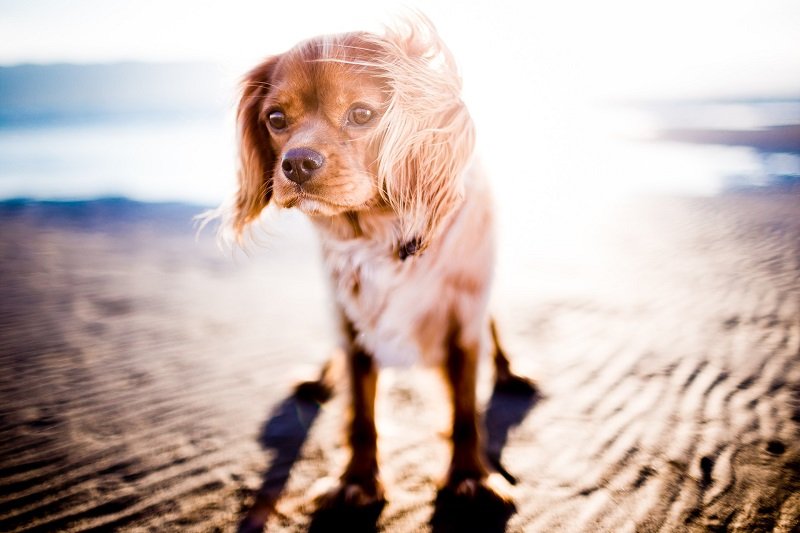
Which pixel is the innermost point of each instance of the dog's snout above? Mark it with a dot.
(300, 164)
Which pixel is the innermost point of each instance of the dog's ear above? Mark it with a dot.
(426, 137)
(256, 157)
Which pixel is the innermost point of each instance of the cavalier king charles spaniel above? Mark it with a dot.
(368, 136)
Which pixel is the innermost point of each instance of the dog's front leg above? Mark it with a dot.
(361, 475)
(468, 475)
(360, 484)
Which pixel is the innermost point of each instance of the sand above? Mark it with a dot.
(146, 379)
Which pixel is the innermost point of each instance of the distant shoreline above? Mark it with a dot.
(777, 139)
(109, 200)
(105, 213)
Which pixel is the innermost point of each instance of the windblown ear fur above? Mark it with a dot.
(256, 157)
(427, 136)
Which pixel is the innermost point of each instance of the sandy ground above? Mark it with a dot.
(146, 378)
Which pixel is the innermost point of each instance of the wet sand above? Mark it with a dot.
(146, 378)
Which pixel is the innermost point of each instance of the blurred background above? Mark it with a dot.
(644, 156)
(595, 103)
(134, 98)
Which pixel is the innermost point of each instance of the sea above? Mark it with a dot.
(167, 133)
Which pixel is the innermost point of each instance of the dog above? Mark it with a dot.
(368, 136)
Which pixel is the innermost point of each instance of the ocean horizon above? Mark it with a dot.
(165, 132)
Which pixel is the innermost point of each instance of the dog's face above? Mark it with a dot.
(320, 112)
(352, 123)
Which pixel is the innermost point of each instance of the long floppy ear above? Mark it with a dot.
(426, 136)
(256, 157)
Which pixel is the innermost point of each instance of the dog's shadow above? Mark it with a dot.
(284, 433)
(287, 428)
(505, 411)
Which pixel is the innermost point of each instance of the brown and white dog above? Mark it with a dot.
(368, 136)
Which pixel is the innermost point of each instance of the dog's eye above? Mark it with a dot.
(359, 115)
(277, 119)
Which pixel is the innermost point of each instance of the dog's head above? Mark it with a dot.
(355, 122)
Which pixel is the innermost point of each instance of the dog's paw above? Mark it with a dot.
(516, 385)
(352, 494)
(473, 503)
(349, 506)
(489, 490)
(315, 391)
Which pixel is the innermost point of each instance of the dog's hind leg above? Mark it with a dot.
(505, 379)
(321, 389)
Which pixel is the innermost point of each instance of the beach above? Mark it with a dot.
(147, 375)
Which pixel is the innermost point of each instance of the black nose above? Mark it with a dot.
(300, 164)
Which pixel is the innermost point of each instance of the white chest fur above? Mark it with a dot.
(383, 297)
(403, 310)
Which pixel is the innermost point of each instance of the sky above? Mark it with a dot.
(616, 49)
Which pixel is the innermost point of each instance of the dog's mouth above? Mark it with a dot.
(313, 205)
(316, 200)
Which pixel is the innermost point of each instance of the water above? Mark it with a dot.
(597, 152)
(186, 159)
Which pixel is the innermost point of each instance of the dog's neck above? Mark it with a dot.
(354, 225)
(378, 225)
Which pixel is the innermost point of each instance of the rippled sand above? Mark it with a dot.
(146, 378)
